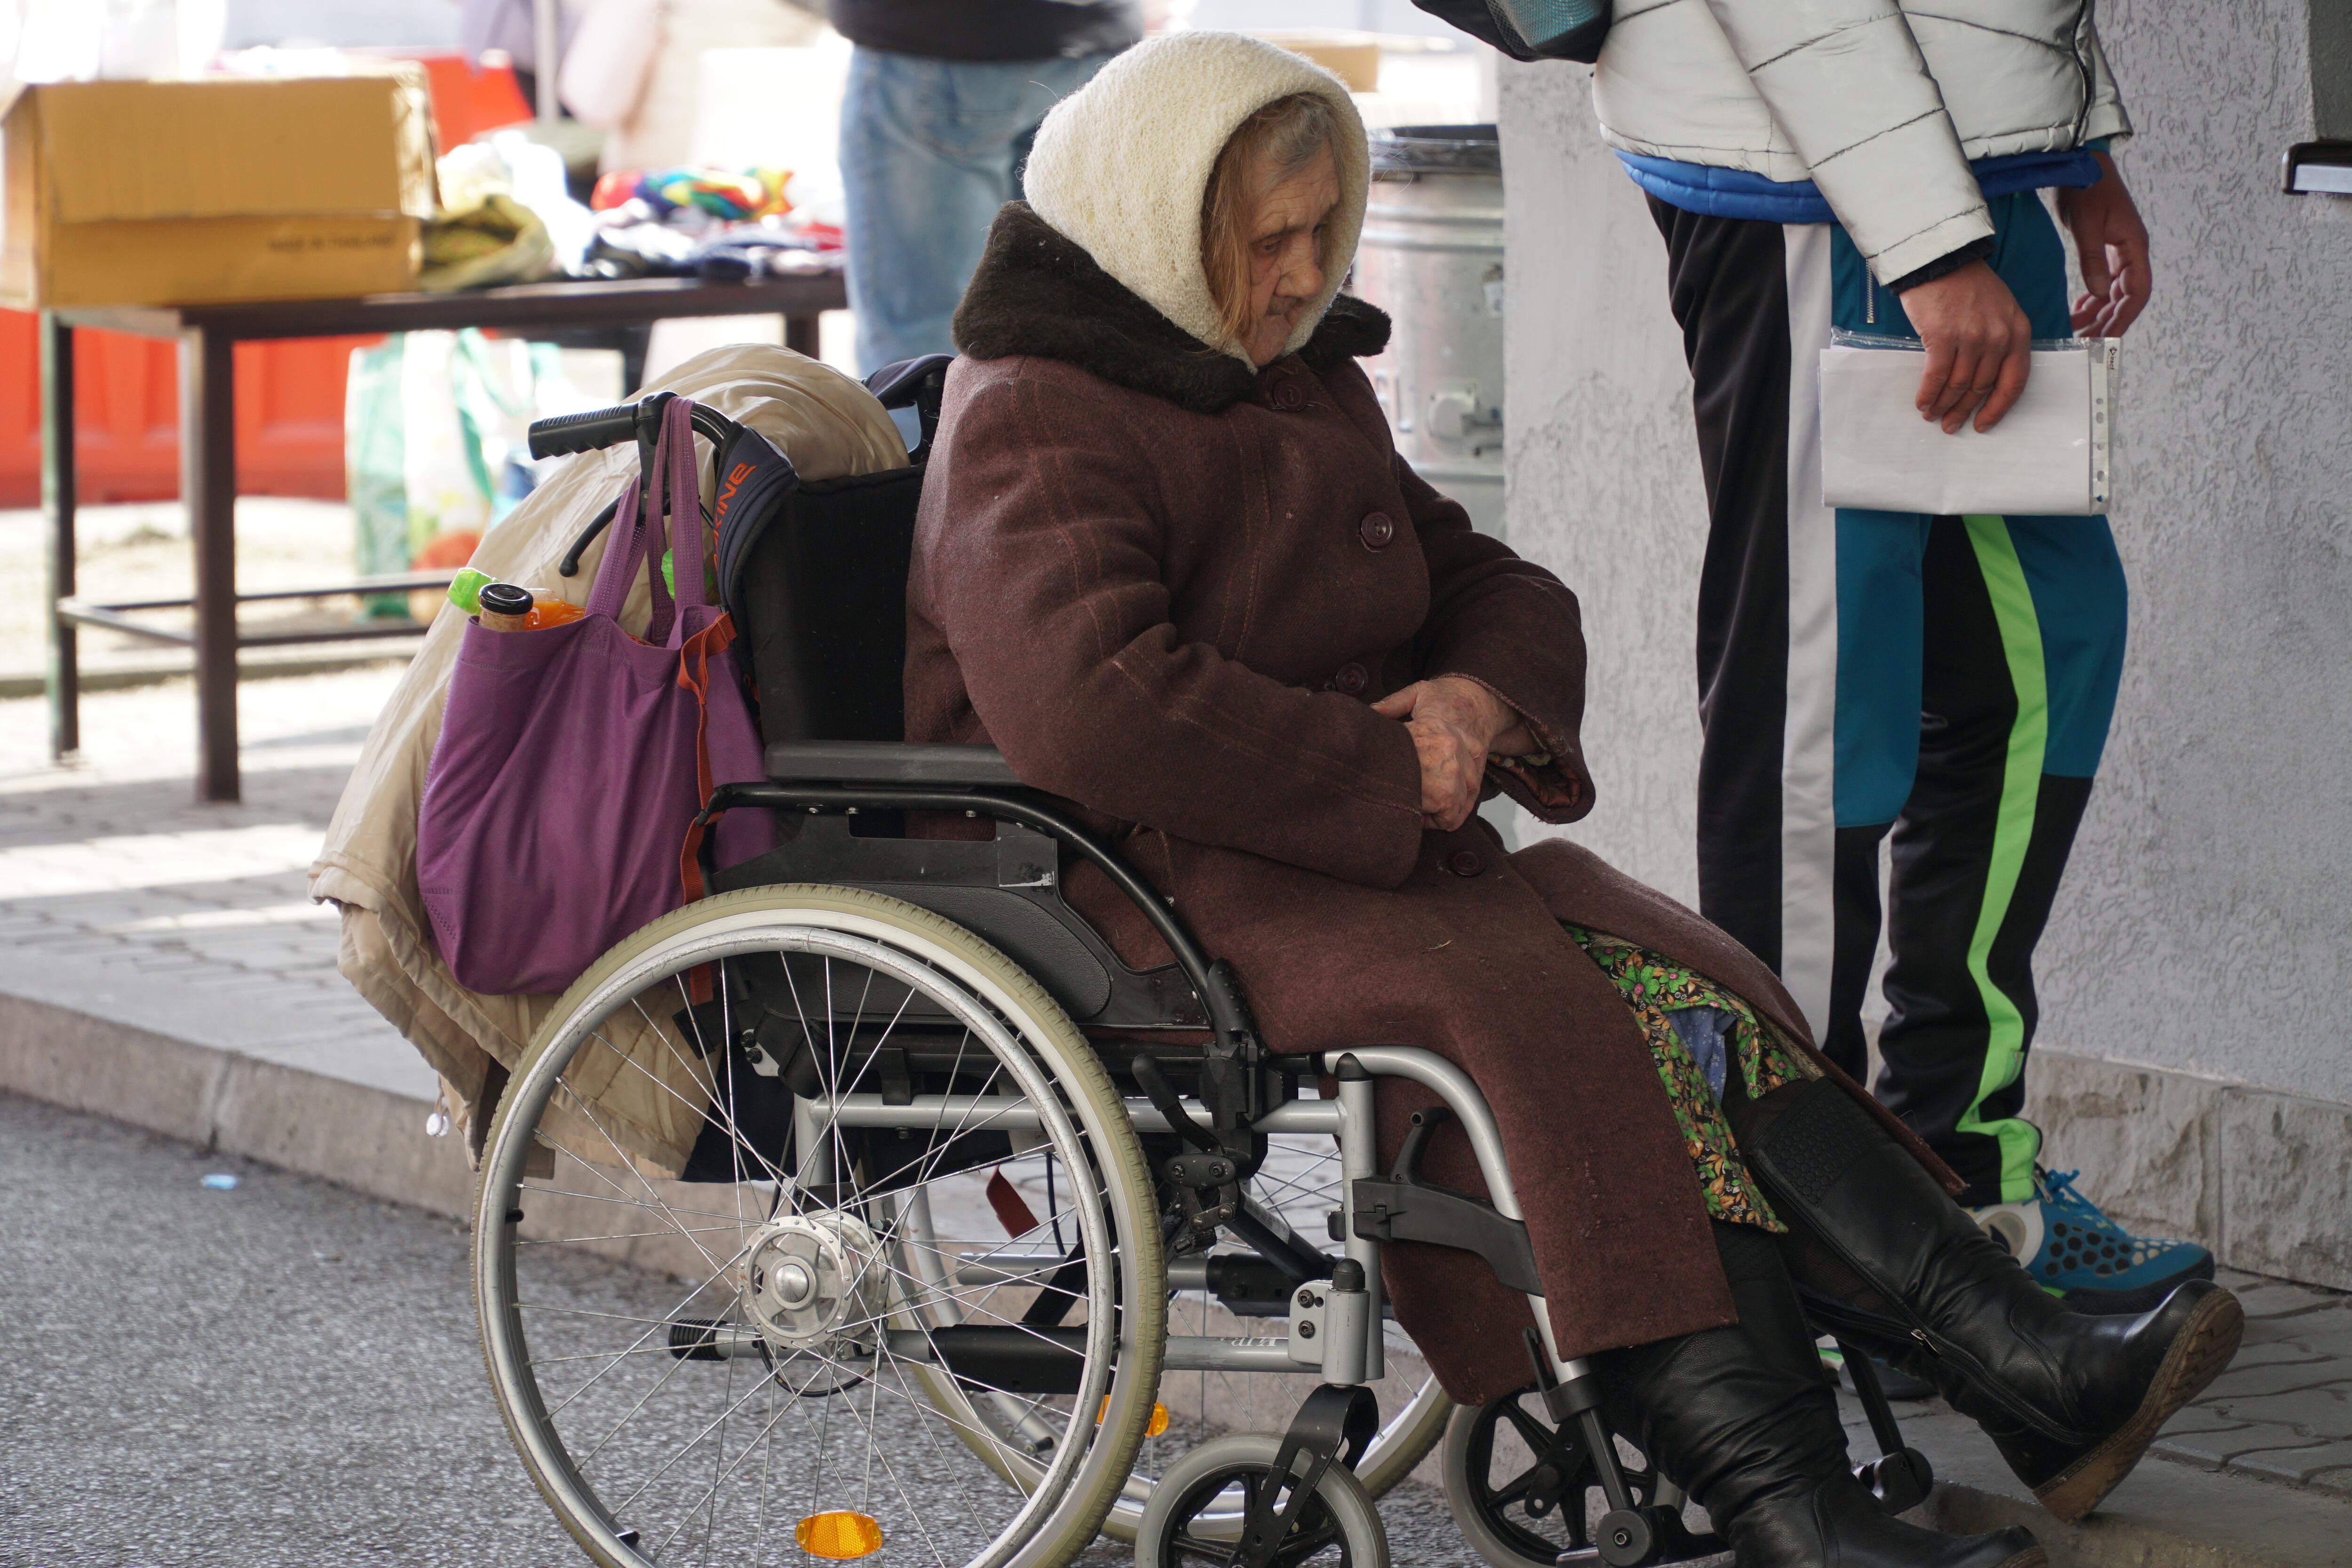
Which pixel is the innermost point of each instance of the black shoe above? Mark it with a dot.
(1890, 1263)
(2127, 1376)
(1839, 1525)
(1743, 1418)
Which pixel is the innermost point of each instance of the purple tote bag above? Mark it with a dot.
(573, 760)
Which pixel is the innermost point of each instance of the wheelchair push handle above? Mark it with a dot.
(593, 431)
(564, 433)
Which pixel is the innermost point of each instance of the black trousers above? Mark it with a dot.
(1946, 682)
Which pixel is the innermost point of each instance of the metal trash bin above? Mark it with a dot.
(1432, 257)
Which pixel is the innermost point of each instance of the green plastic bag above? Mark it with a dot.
(430, 422)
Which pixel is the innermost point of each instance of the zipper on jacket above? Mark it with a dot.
(2083, 22)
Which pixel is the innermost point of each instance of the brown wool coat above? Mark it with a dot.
(1167, 588)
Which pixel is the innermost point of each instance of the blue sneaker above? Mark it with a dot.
(2083, 1257)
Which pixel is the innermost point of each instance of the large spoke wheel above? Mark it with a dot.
(805, 1357)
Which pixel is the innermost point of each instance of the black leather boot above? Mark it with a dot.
(1743, 1418)
(1890, 1262)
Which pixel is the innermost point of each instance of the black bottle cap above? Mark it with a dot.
(505, 599)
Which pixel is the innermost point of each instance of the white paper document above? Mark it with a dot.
(2047, 457)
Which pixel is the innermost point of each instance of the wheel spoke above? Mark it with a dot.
(785, 1411)
(1538, 1437)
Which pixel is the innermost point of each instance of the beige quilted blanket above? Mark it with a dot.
(830, 426)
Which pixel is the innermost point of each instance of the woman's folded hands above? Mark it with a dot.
(1455, 723)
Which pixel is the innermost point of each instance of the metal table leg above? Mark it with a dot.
(209, 489)
(57, 499)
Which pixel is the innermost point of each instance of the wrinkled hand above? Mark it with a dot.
(2111, 244)
(1454, 724)
(1980, 347)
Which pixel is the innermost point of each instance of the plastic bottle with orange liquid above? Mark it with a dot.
(505, 607)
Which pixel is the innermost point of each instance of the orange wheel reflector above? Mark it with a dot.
(1151, 1428)
(839, 1535)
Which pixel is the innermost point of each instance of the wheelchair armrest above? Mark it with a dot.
(888, 762)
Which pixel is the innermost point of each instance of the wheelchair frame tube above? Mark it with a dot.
(814, 1165)
(1462, 1097)
(1186, 1352)
(1197, 1352)
(1360, 1155)
(1469, 1107)
(1011, 1112)
(1012, 1266)
(1352, 1117)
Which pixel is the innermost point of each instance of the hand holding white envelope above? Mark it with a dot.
(2048, 458)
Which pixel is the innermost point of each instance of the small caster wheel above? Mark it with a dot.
(1339, 1527)
(1520, 1514)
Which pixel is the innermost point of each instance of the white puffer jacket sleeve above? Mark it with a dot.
(1848, 86)
(2106, 117)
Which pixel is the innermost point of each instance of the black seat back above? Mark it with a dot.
(820, 601)
(815, 574)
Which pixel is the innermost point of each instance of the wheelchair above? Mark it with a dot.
(987, 1242)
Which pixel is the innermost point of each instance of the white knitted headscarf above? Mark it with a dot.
(1122, 165)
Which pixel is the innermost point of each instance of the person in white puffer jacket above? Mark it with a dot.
(1879, 167)
(1884, 109)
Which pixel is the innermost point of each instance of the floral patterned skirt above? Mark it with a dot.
(1655, 988)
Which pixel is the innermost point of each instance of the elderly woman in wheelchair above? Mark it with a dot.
(1249, 677)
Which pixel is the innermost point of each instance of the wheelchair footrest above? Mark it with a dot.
(1900, 1481)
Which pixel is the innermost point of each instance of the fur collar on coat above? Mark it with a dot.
(1039, 292)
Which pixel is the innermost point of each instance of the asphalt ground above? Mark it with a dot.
(283, 1372)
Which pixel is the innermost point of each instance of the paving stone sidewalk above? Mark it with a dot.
(2283, 1410)
(122, 898)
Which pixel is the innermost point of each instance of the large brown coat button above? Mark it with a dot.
(1286, 395)
(1465, 863)
(1352, 677)
(1376, 530)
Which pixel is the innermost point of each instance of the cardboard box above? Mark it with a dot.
(1353, 57)
(136, 192)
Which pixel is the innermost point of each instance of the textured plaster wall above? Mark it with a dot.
(2206, 924)
(1602, 467)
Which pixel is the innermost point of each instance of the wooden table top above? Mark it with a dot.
(615, 302)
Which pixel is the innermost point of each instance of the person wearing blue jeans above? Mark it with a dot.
(943, 99)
